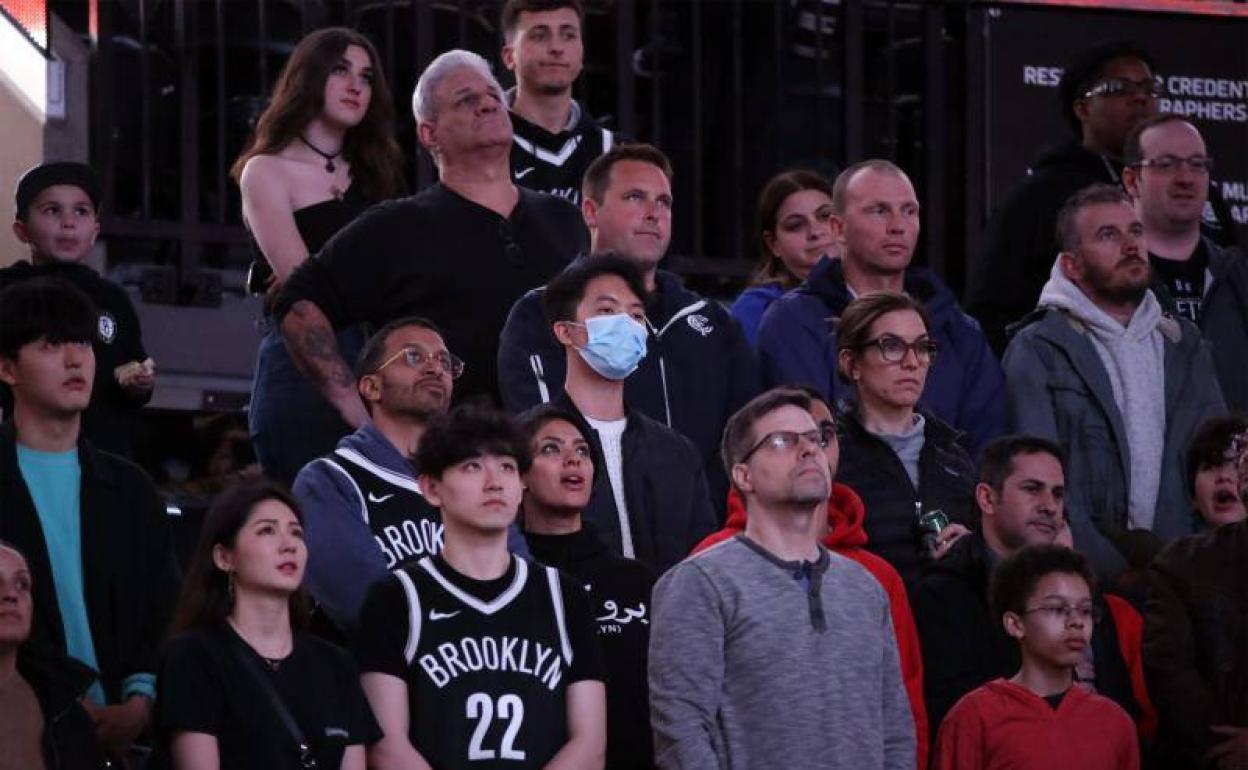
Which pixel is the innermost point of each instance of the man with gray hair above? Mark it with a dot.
(459, 253)
(1101, 370)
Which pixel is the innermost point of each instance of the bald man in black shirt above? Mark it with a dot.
(459, 253)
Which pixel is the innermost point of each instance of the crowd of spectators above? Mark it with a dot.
(527, 501)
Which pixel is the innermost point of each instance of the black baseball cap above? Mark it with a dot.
(46, 175)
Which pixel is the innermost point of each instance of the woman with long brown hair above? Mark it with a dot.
(794, 232)
(241, 685)
(322, 152)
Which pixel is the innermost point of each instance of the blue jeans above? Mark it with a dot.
(291, 423)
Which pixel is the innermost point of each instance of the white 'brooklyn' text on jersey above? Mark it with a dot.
(487, 663)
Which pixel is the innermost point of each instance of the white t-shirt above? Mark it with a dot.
(610, 435)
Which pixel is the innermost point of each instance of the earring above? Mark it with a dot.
(229, 577)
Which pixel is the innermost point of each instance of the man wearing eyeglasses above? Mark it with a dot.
(363, 511)
(1105, 91)
(1021, 500)
(767, 649)
(876, 216)
(1101, 370)
(1167, 173)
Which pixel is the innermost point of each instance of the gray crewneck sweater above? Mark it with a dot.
(760, 663)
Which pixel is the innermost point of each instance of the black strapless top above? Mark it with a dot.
(316, 224)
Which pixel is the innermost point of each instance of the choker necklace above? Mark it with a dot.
(329, 159)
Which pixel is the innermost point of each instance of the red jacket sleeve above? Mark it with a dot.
(960, 741)
(1130, 626)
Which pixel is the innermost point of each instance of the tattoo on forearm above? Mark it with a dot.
(314, 347)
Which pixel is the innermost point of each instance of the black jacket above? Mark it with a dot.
(1021, 241)
(698, 370)
(1223, 320)
(871, 468)
(1196, 641)
(964, 646)
(619, 597)
(59, 682)
(669, 511)
(118, 340)
(129, 574)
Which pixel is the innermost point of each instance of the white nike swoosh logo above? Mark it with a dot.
(375, 499)
(522, 173)
(435, 615)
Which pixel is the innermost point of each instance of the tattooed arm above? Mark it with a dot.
(314, 349)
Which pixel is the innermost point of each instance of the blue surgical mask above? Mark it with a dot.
(616, 345)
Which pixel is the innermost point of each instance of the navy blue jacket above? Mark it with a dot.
(697, 372)
(965, 386)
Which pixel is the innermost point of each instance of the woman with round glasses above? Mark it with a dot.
(915, 478)
(322, 152)
(241, 684)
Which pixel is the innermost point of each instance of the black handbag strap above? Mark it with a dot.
(248, 657)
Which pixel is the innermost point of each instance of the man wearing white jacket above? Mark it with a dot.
(1100, 369)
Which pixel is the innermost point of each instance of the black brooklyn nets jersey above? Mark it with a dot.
(555, 163)
(406, 527)
(487, 663)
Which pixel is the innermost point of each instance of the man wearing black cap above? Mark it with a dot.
(58, 217)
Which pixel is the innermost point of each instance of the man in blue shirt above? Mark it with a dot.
(90, 522)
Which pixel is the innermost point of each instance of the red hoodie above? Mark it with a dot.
(847, 537)
(1004, 726)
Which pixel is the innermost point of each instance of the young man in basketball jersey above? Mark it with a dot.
(554, 139)
(363, 510)
(476, 657)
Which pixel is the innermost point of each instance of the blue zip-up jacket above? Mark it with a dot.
(965, 386)
(698, 370)
(344, 559)
(750, 306)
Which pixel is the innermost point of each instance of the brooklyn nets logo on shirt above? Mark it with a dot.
(487, 678)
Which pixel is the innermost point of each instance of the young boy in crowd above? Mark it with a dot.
(1038, 719)
(58, 217)
(476, 655)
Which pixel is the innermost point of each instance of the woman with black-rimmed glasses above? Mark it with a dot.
(907, 465)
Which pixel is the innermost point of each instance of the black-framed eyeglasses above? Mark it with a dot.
(1110, 87)
(788, 440)
(893, 348)
(1088, 613)
(511, 249)
(416, 358)
(1169, 164)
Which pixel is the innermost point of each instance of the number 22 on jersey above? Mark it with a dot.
(480, 706)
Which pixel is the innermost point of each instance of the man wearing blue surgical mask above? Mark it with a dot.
(698, 369)
(652, 504)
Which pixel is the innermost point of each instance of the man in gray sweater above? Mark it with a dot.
(768, 650)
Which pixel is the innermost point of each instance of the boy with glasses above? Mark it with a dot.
(1168, 175)
(1039, 718)
(768, 650)
(364, 512)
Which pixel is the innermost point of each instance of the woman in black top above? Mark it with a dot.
(323, 151)
(240, 686)
(900, 458)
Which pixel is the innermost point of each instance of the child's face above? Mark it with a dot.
(1056, 626)
(60, 224)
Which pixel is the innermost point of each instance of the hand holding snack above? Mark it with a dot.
(136, 375)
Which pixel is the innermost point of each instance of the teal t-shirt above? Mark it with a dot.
(55, 483)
